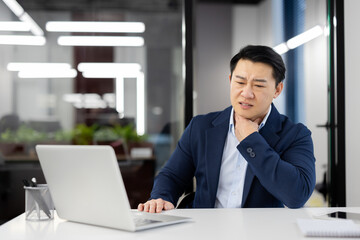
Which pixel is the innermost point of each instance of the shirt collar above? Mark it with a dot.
(265, 118)
(231, 122)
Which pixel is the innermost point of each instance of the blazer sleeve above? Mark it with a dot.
(288, 172)
(178, 172)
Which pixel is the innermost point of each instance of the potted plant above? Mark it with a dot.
(131, 139)
(83, 134)
(24, 136)
(105, 135)
(8, 143)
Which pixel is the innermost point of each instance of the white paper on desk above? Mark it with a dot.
(328, 228)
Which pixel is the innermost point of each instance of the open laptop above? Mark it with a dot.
(86, 186)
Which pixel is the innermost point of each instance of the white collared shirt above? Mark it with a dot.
(233, 170)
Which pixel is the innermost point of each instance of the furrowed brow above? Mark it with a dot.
(241, 77)
(260, 80)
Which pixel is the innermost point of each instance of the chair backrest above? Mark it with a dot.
(186, 201)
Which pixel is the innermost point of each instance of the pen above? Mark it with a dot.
(26, 183)
(40, 203)
(33, 182)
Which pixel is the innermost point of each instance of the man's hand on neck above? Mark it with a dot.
(244, 127)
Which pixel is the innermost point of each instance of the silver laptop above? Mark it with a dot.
(86, 186)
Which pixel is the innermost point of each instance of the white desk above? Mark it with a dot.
(219, 224)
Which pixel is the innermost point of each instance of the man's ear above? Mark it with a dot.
(230, 77)
(279, 89)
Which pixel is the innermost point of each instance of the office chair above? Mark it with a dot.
(10, 121)
(186, 201)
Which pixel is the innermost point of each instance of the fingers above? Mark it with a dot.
(168, 206)
(258, 121)
(244, 127)
(141, 207)
(155, 206)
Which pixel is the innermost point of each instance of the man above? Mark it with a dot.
(245, 156)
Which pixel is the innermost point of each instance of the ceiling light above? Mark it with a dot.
(106, 66)
(34, 28)
(26, 66)
(300, 39)
(70, 73)
(281, 48)
(110, 99)
(304, 37)
(97, 74)
(22, 40)
(72, 97)
(100, 41)
(109, 70)
(14, 7)
(140, 104)
(120, 96)
(14, 26)
(88, 100)
(42, 70)
(84, 26)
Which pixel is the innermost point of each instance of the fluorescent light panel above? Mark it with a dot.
(140, 101)
(85, 26)
(97, 74)
(14, 7)
(100, 41)
(281, 48)
(120, 105)
(101, 66)
(22, 40)
(70, 73)
(34, 28)
(88, 100)
(300, 39)
(109, 70)
(304, 37)
(42, 70)
(140, 104)
(26, 66)
(14, 26)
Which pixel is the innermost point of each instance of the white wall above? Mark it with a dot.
(212, 57)
(352, 109)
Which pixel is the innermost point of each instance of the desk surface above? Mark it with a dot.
(208, 224)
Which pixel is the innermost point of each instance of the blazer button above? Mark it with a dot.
(252, 154)
(249, 150)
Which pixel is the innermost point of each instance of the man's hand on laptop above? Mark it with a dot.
(155, 206)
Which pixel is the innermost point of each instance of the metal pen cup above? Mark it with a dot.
(38, 203)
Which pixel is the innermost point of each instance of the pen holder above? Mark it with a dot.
(38, 203)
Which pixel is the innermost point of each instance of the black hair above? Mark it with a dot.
(263, 54)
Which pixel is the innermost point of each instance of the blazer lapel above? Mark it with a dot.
(215, 141)
(269, 133)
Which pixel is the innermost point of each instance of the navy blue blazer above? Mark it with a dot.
(281, 163)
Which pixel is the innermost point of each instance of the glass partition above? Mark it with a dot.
(94, 72)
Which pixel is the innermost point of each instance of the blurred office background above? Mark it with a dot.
(105, 82)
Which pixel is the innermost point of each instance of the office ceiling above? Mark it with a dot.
(135, 5)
